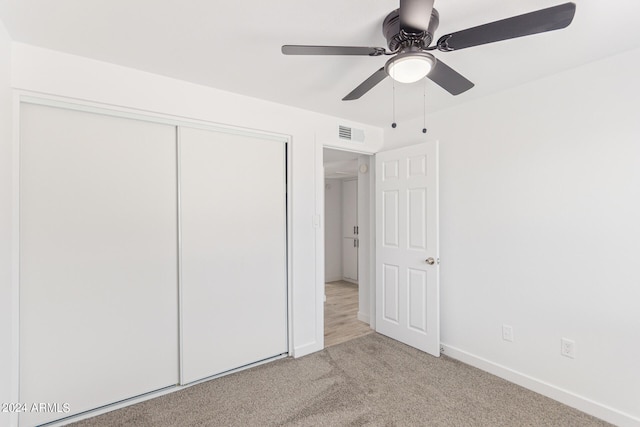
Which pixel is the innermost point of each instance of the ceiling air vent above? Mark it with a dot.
(349, 134)
(344, 132)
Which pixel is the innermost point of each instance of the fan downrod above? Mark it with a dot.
(398, 39)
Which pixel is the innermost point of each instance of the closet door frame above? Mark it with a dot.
(28, 97)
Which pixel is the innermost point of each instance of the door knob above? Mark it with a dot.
(430, 261)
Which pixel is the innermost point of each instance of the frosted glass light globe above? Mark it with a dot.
(410, 67)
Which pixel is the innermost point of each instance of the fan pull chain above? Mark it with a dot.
(393, 103)
(424, 107)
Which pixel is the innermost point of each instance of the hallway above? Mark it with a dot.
(340, 314)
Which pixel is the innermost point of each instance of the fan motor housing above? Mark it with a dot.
(398, 40)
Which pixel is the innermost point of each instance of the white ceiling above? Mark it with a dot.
(235, 45)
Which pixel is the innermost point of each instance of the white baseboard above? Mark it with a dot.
(332, 279)
(581, 403)
(363, 317)
(305, 349)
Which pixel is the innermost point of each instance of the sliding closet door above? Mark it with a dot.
(98, 260)
(234, 291)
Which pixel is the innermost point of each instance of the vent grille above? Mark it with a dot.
(350, 134)
(344, 132)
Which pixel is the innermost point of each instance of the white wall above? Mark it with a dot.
(540, 229)
(540, 195)
(5, 220)
(333, 230)
(50, 72)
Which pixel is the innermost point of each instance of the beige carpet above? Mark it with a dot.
(369, 381)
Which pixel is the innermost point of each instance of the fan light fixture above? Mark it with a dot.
(409, 32)
(409, 67)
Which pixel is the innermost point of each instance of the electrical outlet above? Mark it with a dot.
(507, 333)
(568, 348)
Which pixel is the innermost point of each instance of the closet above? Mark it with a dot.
(151, 254)
(350, 230)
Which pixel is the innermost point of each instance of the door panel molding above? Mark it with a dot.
(407, 289)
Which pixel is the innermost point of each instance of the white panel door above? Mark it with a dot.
(350, 259)
(98, 261)
(350, 230)
(349, 208)
(407, 270)
(233, 219)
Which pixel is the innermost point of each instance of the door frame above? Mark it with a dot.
(366, 270)
(371, 244)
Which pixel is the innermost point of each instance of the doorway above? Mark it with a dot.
(346, 235)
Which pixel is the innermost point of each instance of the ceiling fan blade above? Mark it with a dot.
(366, 85)
(540, 21)
(332, 50)
(415, 15)
(449, 79)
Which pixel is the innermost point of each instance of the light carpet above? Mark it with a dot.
(369, 381)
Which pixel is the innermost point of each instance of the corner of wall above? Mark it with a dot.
(6, 124)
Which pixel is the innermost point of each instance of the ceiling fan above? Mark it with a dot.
(409, 31)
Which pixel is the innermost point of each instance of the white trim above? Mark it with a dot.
(364, 238)
(372, 242)
(306, 349)
(288, 176)
(363, 317)
(179, 253)
(147, 116)
(368, 318)
(355, 150)
(437, 248)
(319, 243)
(15, 259)
(567, 397)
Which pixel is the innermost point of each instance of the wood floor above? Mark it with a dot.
(341, 314)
